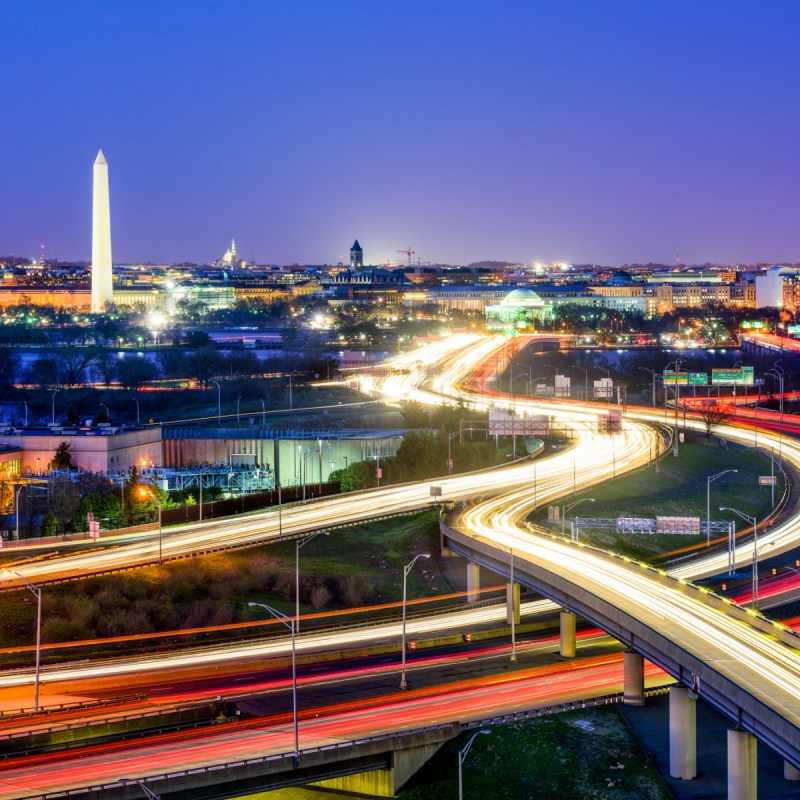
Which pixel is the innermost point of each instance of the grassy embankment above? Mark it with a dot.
(580, 754)
(352, 567)
(679, 489)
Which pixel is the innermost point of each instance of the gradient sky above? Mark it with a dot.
(598, 131)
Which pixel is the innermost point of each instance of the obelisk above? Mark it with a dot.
(102, 288)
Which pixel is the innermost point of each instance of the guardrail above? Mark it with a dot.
(77, 706)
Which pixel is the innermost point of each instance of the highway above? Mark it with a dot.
(464, 701)
(451, 359)
(767, 669)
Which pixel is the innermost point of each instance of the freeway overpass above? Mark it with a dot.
(620, 597)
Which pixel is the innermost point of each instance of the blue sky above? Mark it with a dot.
(581, 131)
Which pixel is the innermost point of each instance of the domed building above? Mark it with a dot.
(518, 310)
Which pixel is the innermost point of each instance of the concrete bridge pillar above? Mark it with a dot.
(682, 734)
(512, 603)
(568, 643)
(790, 771)
(742, 765)
(473, 582)
(633, 666)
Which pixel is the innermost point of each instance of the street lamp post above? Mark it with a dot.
(289, 623)
(754, 522)
(25, 403)
(144, 493)
(298, 544)
(585, 382)
(677, 362)
(709, 480)
(219, 401)
(263, 414)
(406, 569)
(653, 373)
(108, 413)
(449, 454)
(462, 755)
(137, 409)
(513, 605)
(238, 401)
(16, 501)
(55, 392)
(565, 509)
(37, 593)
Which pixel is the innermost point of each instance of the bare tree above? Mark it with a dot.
(713, 415)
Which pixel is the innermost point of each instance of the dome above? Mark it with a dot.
(522, 297)
(620, 278)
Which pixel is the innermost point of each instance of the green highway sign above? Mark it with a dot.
(698, 378)
(741, 376)
(670, 376)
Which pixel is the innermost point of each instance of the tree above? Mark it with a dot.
(62, 458)
(63, 500)
(49, 524)
(72, 364)
(134, 372)
(204, 364)
(713, 415)
(105, 365)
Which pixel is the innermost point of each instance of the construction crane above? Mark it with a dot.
(409, 252)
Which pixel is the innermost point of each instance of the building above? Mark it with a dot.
(104, 449)
(356, 255)
(519, 309)
(102, 286)
(464, 299)
(769, 286)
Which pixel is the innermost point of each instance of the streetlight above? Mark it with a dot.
(449, 456)
(16, 501)
(289, 623)
(37, 593)
(406, 569)
(108, 413)
(263, 414)
(565, 509)
(25, 403)
(462, 755)
(219, 401)
(709, 480)
(513, 605)
(585, 382)
(653, 373)
(144, 493)
(298, 544)
(754, 522)
(238, 401)
(55, 392)
(149, 793)
(137, 409)
(677, 362)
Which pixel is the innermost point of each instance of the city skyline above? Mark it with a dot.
(607, 133)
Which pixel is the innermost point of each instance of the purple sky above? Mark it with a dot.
(588, 132)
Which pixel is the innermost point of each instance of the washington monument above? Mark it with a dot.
(102, 290)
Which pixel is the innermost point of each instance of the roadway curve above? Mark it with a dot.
(452, 359)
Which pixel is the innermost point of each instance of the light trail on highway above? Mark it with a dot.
(514, 692)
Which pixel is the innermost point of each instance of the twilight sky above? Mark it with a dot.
(593, 131)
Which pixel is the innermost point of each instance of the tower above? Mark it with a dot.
(102, 288)
(356, 255)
